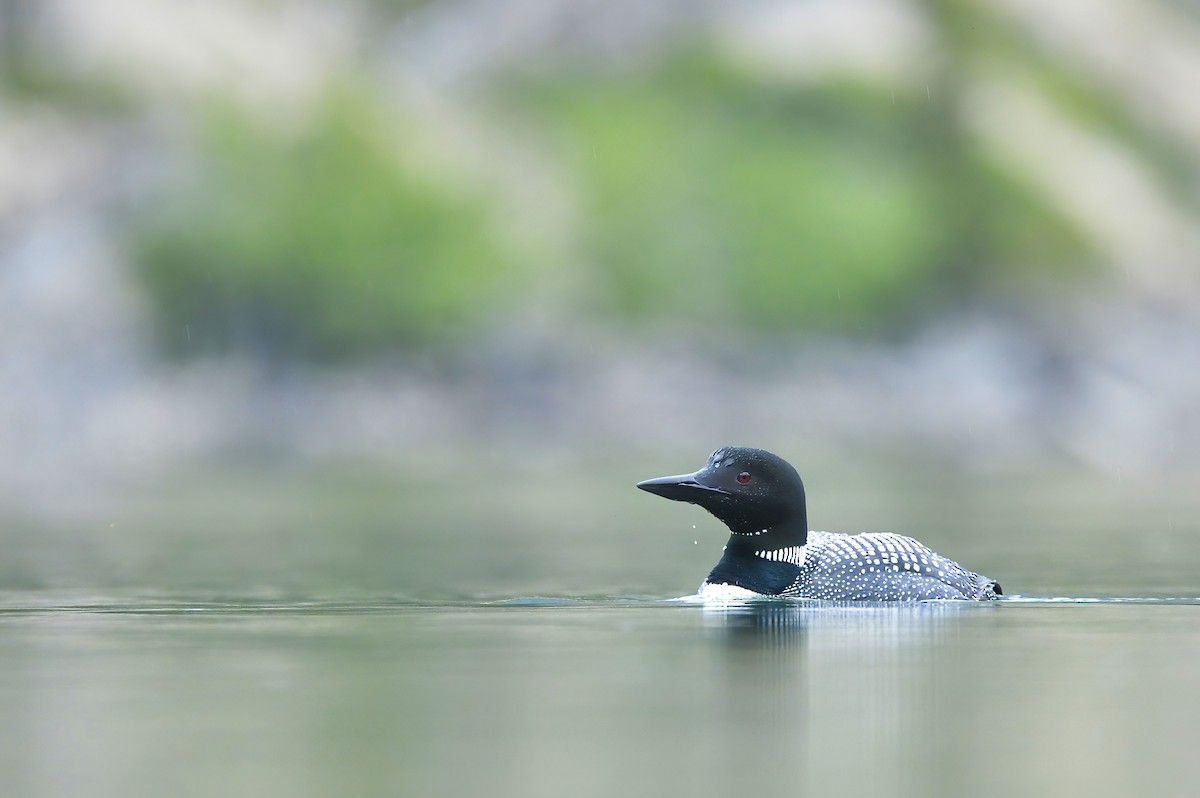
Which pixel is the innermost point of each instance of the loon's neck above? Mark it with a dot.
(746, 564)
(778, 536)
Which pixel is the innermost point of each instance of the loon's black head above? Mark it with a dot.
(750, 490)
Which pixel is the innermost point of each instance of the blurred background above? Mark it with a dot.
(464, 267)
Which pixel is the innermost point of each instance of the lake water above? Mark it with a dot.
(322, 635)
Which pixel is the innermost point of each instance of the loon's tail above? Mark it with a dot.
(988, 589)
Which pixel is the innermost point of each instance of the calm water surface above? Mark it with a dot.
(327, 634)
(597, 696)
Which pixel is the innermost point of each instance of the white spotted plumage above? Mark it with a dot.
(875, 566)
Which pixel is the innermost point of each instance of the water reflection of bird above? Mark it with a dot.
(798, 624)
(769, 624)
(803, 687)
(771, 551)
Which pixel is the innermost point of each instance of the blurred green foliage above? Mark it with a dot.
(712, 196)
(706, 195)
(320, 244)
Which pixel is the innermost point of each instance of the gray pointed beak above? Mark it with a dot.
(681, 488)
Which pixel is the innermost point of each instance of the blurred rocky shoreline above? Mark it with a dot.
(1111, 387)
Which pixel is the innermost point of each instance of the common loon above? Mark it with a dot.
(771, 551)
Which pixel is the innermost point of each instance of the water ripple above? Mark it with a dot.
(27, 605)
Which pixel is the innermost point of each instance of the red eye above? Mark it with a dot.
(743, 477)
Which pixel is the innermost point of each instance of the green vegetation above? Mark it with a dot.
(711, 199)
(321, 245)
(706, 196)
(711, 196)
(699, 193)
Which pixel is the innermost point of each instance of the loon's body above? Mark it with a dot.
(870, 567)
(771, 552)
